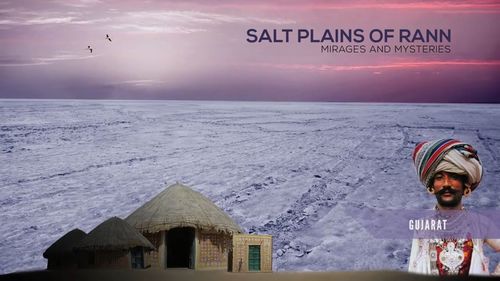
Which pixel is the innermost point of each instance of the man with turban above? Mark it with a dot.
(449, 169)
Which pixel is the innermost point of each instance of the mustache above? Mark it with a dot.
(447, 189)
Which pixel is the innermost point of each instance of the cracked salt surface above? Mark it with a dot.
(287, 169)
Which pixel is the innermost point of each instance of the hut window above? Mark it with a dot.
(254, 258)
(137, 257)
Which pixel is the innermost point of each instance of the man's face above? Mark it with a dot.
(448, 188)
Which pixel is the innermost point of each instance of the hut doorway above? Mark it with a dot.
(180, 247)
(254, 258)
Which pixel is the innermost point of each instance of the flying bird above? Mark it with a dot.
(90, 49)
(108, 38)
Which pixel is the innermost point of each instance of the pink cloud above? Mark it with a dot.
(378, 67)
(487, 6)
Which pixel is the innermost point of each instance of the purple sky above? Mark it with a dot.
(198, 50)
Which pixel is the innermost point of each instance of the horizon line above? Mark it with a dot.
(256, 101)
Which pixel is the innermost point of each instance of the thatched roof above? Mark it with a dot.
(180, 206)
(114, 234)
(65, 244)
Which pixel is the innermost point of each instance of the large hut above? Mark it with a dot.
(113, 244)
(188, 230)
(60, 255)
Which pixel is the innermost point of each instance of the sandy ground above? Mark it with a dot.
(191, 275)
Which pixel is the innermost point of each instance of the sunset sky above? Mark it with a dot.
(197, 50)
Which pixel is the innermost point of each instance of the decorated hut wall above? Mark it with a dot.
(251, 253)
(152, 258)
(60, 255)
(212, 250)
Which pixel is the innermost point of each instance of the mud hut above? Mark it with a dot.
(251, 253)
(188, 230)
(113, 244)
(60, 255)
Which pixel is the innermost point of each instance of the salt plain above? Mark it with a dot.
(293, 170)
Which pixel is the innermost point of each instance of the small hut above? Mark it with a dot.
(113, 244)
(188, 230)
(251, 253)
(60, 255)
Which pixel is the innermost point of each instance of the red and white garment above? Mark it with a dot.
(448, 257)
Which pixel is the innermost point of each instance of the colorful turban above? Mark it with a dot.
(447, 155)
